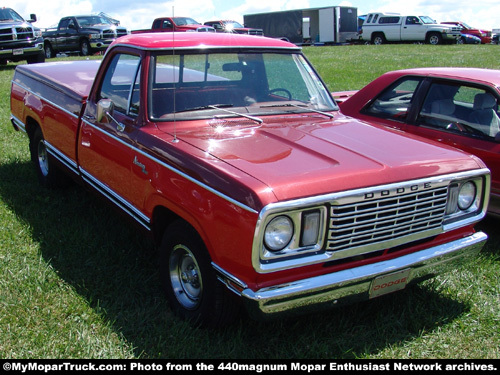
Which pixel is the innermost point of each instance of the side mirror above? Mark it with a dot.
(105, 108)
(32, 18)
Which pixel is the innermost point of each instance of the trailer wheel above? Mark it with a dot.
(189, 280)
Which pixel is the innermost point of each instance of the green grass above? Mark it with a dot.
(77, 281)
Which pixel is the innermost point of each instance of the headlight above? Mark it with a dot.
(95, 36)
(278, 233)
(466, 195)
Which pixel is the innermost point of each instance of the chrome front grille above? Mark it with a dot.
(17, 33)
(386, 218)
(24, 33)
(6, 35)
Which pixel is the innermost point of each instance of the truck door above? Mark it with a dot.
(66, 35)
(413, 29)
(107, 152)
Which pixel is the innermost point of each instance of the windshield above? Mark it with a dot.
(194, 85)
(182, 21)
(7, 14)
(233, 25)
(86, 21)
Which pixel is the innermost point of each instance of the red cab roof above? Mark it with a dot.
(200, 40)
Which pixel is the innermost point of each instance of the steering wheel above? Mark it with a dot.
(288, 93)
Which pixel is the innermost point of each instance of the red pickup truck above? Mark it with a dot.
(251, 182)
(178, 24)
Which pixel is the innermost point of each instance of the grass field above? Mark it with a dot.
(76, 281)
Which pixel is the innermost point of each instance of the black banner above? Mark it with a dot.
(24, 366)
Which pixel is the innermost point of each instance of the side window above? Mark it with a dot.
(412, 20)
(467, 110)
(64, 24)
(395, 101)
(121, 83)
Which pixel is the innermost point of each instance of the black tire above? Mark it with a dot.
(434, 39)
(49, 52)
(378, 39)
(189, 280)
(85, 49)
(48, 174)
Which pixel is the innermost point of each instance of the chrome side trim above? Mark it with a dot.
(126, 206)
(18, 124)
(354, 284)
(66, 161)
(232, 283)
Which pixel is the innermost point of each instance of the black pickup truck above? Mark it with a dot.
(19, 40)
(85, 34)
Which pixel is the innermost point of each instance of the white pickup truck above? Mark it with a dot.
(379, 28)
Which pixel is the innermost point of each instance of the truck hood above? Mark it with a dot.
(304, 155)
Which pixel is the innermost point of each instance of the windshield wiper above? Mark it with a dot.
(300, 107)
(204, 107)
(256, 119)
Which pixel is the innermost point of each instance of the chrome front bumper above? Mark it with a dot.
(354, 284)
(30, 50)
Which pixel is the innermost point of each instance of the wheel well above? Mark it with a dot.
(31, 125)
(431, 33)
(162, 218)
(378, 33)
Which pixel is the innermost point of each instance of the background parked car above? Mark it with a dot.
(469, 39)
(484, 35)
(229, 26)
(455, 106)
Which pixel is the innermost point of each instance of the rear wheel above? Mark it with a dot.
(85, 47)
(48, 174)
(49, 52)
(189, 280)
(378, 39)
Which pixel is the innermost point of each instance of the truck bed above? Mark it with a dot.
(74, 78)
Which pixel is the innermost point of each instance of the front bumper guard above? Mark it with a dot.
(353, 285)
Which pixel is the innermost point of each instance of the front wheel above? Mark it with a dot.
(434, 39)
(189, 280)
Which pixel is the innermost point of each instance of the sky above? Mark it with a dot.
(134, 14)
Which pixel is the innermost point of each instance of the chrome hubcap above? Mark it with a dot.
(185, 277)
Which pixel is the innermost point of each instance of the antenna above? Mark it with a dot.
(175, 140)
